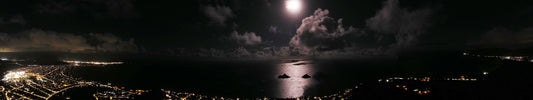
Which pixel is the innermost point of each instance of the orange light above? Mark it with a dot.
(397, 86)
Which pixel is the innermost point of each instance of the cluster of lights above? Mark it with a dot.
(91, 62)
(421, 90)
(15, 76)
(424, 79)
(418, 91)
(41, 82)
(192, 96)
(13, 60)
(514, 58)
(118, 94)
(341, 95)
(463, 78)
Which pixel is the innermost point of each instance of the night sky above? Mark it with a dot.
(263, 28)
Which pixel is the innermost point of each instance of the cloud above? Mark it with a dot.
(273, 29)
(391, 29)
(239, 52)
(405, 25)
(319, 35)
(319, 31)
(112, 43)
(115, 9)
(39, 40)
(121, 8)
(218, 15)
(505, 38)
(248, 38)
(17, 19)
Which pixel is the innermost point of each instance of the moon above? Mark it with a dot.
(293, 6)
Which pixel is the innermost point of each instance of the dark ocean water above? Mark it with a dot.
(253, 77)
(238, 78)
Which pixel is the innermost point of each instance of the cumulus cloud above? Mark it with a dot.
(218, 15)
(505, 38)
(319, 31)
(39, 40)
(320, 34)
(405, 25)
(248, 38)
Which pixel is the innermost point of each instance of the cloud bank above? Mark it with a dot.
(40, 40)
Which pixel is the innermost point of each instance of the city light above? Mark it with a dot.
(15, 76)
(91, 62)
(512, 58)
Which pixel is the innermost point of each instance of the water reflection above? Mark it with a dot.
(295, 85)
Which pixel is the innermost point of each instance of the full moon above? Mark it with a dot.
(293, 6)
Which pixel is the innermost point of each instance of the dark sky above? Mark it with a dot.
(263, 28)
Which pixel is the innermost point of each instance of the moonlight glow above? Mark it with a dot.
(293, 6)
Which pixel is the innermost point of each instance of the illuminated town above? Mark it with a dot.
(51, 82)
(74, 62)
(513, 58)
(47, 82)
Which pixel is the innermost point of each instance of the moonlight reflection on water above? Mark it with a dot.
(296, 85)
